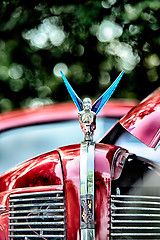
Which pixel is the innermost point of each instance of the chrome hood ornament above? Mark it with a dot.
(87, 111)
(87, 119)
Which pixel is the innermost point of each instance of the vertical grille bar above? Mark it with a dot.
(38, 215)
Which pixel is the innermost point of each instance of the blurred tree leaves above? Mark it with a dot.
(91, 41)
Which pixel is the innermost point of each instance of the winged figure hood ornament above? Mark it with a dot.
(87, 111)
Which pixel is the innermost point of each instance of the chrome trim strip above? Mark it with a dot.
(2, 208)
(37, 217)
(88, 234)
(38, 210)
(35, 193)
(135, 234)
(135, 208)
(158, 144)
(87, 190)
(87, 168)
(36, 229)
(37, 204)
(27, 237)
(135, 215)
(36, 223)
(32, 199)
(135, 228)
(134, 197)
(135, 202)
(135, 221)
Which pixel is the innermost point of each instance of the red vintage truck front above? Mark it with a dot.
(40, 199)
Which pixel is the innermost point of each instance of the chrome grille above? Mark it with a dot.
(38, 215)
(135, 217)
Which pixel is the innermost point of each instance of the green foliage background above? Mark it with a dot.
(92, 41)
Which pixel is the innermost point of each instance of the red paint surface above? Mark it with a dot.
(2, 230)
(58, 112)
(44, 173)
(43, 170)
(103, 158)
(144, 120)
(71, 158)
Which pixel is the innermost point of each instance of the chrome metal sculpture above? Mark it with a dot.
(87, 119)
(87, 112)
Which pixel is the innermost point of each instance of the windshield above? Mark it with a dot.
(20, 144)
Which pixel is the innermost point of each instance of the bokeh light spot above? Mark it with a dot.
(16, 85)
(44, 91)
(47, 32)
(5, 105)
(127, 58)
(108, 31)
(58, 67)
(39, 39)
(15, 71)
(57, 37)
(152, 75)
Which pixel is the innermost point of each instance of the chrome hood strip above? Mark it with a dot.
(87, 190)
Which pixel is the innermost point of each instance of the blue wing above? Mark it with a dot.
(101, 101)
(74, 96)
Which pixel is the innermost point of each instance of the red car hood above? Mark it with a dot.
(143, 121)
